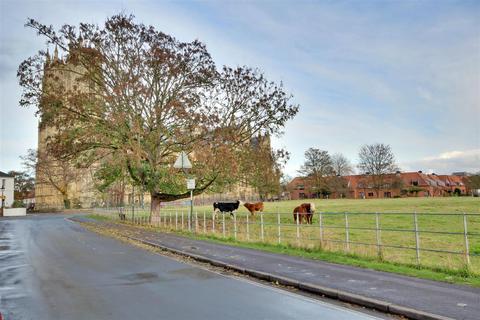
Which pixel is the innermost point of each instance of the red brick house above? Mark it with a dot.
(401, 184)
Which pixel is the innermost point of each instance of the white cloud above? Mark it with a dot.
(447, 162)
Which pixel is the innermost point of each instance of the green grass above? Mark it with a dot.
(396, 215)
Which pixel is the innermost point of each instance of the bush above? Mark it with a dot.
(18, 204)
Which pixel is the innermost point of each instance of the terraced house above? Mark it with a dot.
(400, 184)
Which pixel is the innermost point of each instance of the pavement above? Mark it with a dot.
(53, 268)
(392, 293)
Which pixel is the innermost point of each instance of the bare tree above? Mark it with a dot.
(51, 171)
(317, 167)
(377, 160)
(341, 165)
(140, 96)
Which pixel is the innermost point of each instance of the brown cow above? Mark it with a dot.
(305, 212)
(254, 207)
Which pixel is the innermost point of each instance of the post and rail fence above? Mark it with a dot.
(449, 240)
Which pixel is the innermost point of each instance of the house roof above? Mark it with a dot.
(4, 175)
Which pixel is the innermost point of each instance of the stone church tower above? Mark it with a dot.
(59, 184)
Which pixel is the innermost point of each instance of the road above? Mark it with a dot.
(52, 268)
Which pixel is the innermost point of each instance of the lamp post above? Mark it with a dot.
(184, 164)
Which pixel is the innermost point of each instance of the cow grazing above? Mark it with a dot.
(254, 207)
(225, 207)
(305, 212)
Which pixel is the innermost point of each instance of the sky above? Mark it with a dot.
(403, 73)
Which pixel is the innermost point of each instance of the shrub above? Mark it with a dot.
(18, 204)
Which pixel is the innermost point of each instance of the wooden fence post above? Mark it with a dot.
(417, 240)
(320, 223)
(377, 236)
(248, 229)
(465, 237)
(204, 222)
(182, 220)
(196, 221)
(213, 223)
(176, 220)
(347, 233)
(261, 226)
(279, 228)
(235, 225)
(223, 224)
(298, 228)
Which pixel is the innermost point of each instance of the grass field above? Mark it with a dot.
(396, 219)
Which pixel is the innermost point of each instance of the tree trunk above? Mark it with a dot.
(66, 201)
(155, 208)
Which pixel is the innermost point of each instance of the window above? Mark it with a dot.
(387, 194)
(302, 195)
(414, 183)
(300, 187)
(370, 194)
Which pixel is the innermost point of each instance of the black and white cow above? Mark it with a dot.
(225, 207)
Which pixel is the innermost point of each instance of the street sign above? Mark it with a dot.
(182, 161)
(190, 184)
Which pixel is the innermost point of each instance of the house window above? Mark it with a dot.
(387, 194)
(302, 195)
(414, 183)
(370, 194)
(300, 187)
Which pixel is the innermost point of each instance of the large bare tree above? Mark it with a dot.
(139, 96)
(377, 161)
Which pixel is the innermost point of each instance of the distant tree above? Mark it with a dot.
(262, 167)
(341, 165)
(338, 185)
(24, 184)
(317, 167)
(56, 172)
(377, 160)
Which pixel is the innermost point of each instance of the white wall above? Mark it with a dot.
(8, 192)
(15, 212)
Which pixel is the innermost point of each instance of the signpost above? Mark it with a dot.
(184, 163)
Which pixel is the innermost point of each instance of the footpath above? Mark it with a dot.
(402, 295)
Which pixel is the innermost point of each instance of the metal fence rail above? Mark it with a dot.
(458, 235)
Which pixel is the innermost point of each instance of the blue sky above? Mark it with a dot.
(405, 73)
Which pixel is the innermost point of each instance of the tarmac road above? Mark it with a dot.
(51, 268)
